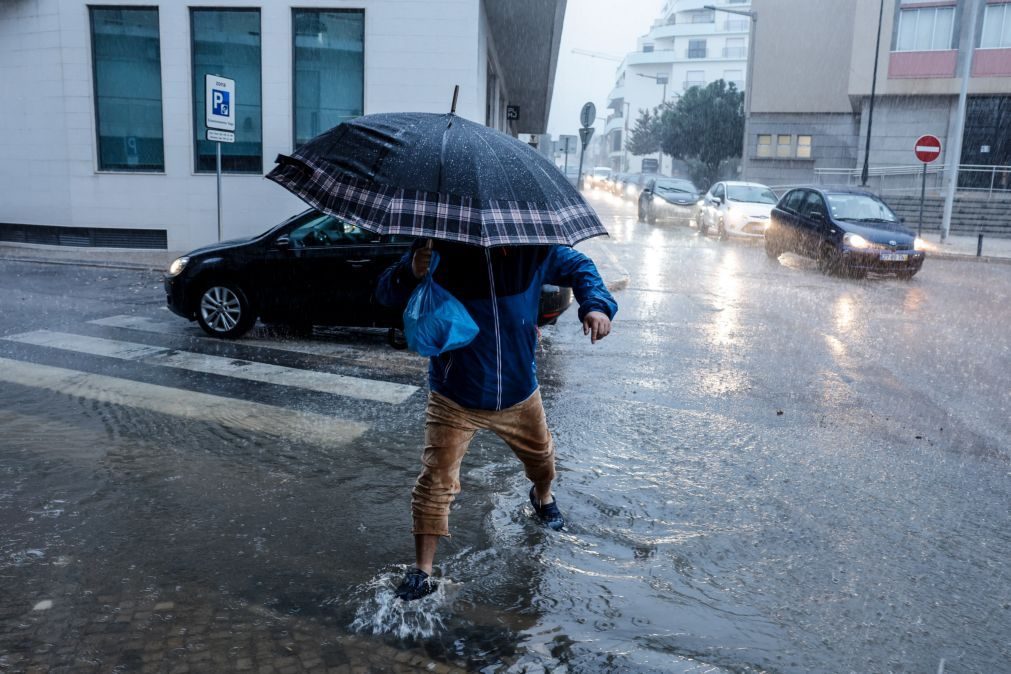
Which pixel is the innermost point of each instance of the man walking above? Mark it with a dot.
(492, 382)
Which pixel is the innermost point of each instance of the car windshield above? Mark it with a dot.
(755, 194)
(675, 186)
(859, 208)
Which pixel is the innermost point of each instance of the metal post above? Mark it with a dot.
(993, 175)
(954, 151)
(923, 195)
(979, 246)
(579, 178)
(219, 189)
(566, 171)
(874, 86)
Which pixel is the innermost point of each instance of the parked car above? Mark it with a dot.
(846, 230)
(668, 199)
(632, 184)
(736, 208)
(312, 269)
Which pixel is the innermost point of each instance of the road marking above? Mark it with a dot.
(326, 382)
(239, 414)
(144, 324)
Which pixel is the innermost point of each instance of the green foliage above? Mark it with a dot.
(644, 137)
(705, 127)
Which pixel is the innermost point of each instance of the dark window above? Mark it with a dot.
(793, 201)
(719, 192)
(646, 48)
(328, 49)
(126, 55)
(326, 230)
(226, 42)
(813, 203)
(696, 49)
(987, 142)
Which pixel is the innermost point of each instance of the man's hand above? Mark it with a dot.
(597, 325)
(421, 260)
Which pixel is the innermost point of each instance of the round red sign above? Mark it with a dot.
(927, 148)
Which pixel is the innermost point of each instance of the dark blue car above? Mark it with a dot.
(847, 230)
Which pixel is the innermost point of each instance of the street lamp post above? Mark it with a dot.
(865, 171)
(753, 24)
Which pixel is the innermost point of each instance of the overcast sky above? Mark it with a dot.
(595, 25)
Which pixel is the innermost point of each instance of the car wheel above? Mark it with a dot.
(703, 226)
(651, 214)
(642, 216)
(396, 338)
(722, 230)
(223, 310)
(828, 261)
(772, 250)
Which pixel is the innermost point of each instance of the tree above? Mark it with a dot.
(705, 127)
(644, 137)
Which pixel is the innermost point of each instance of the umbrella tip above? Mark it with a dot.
(456, 92)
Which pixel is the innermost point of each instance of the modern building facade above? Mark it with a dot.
(102, 136)
(688, 45)
(814, 67)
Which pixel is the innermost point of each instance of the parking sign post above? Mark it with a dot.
(219, 118)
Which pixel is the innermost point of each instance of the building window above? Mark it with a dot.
(616, 140)
(764, 145)
(696, 49)
(701, 16)
(126, 58)
(695, 78)
(647, 48)
(329, 69)
(735, 77)
(996, 27)
(925, 29)
(784, 145)
(226, 42)
(804, 147)
(735, 48)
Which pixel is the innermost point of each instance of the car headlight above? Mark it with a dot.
(177, 266)
(919, 244)
(855, 241)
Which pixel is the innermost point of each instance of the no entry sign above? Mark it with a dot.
(927, 148)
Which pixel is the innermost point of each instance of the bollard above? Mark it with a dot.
(979, 246)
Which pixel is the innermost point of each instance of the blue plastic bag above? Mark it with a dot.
(434, 320)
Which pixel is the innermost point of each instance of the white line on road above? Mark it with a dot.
(240, 414)
(326, 382)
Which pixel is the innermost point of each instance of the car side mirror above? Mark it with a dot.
(282, 243)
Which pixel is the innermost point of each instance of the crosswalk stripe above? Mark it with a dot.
(326, 382)
(240, 414)
(145, 324)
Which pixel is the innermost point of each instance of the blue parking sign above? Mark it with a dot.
(220, 102)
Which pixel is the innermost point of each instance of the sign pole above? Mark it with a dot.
(587, 116)
(923, 196)
(579, 178)
(219, 188)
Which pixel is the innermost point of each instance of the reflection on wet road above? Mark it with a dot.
(763, 469)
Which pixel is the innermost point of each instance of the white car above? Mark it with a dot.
(732, 208)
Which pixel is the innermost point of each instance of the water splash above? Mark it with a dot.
(380, 611)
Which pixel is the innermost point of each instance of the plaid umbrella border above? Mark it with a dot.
(391, 210)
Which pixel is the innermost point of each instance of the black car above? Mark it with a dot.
(312, 269)
(846, 230)
(668, 199)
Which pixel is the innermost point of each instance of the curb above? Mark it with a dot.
(84, 263)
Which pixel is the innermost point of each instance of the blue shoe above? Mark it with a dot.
(548, 513)
(416, 584)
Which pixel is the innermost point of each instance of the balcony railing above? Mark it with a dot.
(696, 53)
(736, 26)
(735, 52)
(694, 83)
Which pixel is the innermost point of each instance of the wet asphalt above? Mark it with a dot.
(763, 469)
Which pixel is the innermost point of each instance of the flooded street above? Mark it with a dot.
(763, 469)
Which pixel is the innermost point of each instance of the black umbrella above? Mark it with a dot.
(437, 176)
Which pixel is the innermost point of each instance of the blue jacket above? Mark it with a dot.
(501, 288)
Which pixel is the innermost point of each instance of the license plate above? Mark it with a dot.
(894, 257)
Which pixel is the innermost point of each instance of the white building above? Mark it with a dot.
(102, 121)
(687, 46)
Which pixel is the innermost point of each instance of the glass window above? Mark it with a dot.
(126, 56)
(701, 16)
(328, 52)
(696, 49)
(325, 230)
(764, 145)
(996, 27)
(647, 48)
(735, 48)
(804, 146)
(794, 200)
(812, 204)
(784, 143)
(925, 29)
(226, 42)
(695, 78)
(718, 191)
